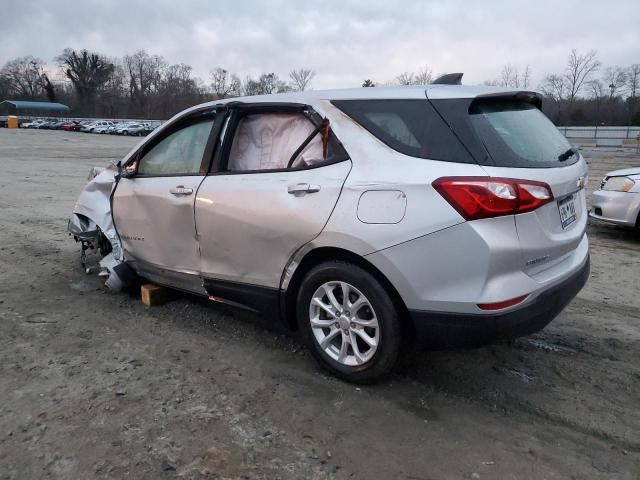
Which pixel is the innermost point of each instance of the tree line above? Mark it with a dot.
(143, 85)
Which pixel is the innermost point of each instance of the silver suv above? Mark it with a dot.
(444, 215)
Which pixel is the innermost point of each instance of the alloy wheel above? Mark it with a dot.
(344, 323)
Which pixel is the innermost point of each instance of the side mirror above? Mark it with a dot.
(129, 170)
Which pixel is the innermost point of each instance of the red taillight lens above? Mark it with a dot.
(486, 197)
(503, 304)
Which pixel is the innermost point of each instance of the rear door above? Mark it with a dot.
(262, 204)
(523, 143)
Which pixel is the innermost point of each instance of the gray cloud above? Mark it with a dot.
(344, 42)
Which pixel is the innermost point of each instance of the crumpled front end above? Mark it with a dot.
(91, 224)
(92, 212)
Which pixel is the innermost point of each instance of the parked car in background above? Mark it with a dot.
(618, 200)
(80, 125)
(69, 126)
(33, 123)
(135, 129)
(111, 129)
(366, 218)
(87, 127)
(50, 124)
(150, 127)
(101, 126)
(58, 125)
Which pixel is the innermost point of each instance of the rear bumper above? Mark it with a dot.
(447, 330)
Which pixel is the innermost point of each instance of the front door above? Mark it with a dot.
(263, 204)
(153, 210)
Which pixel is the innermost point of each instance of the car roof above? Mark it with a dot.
(373, 93)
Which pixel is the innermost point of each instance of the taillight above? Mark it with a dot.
(486, 197)
(503, 304)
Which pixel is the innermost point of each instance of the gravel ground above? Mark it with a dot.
(96, 385)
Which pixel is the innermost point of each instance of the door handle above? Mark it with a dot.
(302, 189)
(180, 190)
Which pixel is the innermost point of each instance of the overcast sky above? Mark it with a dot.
(343, 41)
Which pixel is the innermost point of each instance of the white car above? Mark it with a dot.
(102, 127)
(32, 123)
(135, 129)
(618, 200)
(88, 127)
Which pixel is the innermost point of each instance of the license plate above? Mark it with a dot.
(567, 209)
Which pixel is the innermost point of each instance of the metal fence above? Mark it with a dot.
(602, 136)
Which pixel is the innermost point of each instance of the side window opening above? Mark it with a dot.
(179, 153)
(270, 141)
(411, 127)
(395, 126)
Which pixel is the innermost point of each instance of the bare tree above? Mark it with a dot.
(86, 70)
(423, 77)
(6, 88)
(266, 84)
(251, 86)
(24, 75)
(512, 77)
(48, 87)
(113, 92)
(616, 79)
(507, 76)
(633, 80)
(526, 77)
(554, 86)
(178, 90)
(225, 84)
(405, 78)
(144, 74)
(271, 83)
(579, 70)
(301, 78)
(177, 81)
(596, 89)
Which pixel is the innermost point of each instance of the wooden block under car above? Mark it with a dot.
(152, 294)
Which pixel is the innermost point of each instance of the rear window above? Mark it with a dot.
(517, 134)
(411, 127)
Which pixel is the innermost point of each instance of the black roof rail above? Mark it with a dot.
(449, 79)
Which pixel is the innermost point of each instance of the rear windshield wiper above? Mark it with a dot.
(568, 154)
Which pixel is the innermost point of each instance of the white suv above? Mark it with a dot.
(449, 215)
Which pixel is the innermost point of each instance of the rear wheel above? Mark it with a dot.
(348, 321)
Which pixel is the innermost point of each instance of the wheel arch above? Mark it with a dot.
(322, 254)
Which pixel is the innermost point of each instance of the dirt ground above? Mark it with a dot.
(96, 385)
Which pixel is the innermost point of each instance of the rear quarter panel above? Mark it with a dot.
(378, 167)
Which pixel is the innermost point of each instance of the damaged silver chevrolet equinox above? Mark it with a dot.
(447, 215)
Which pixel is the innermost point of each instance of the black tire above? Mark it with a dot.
(386, 354)
(124, 132)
